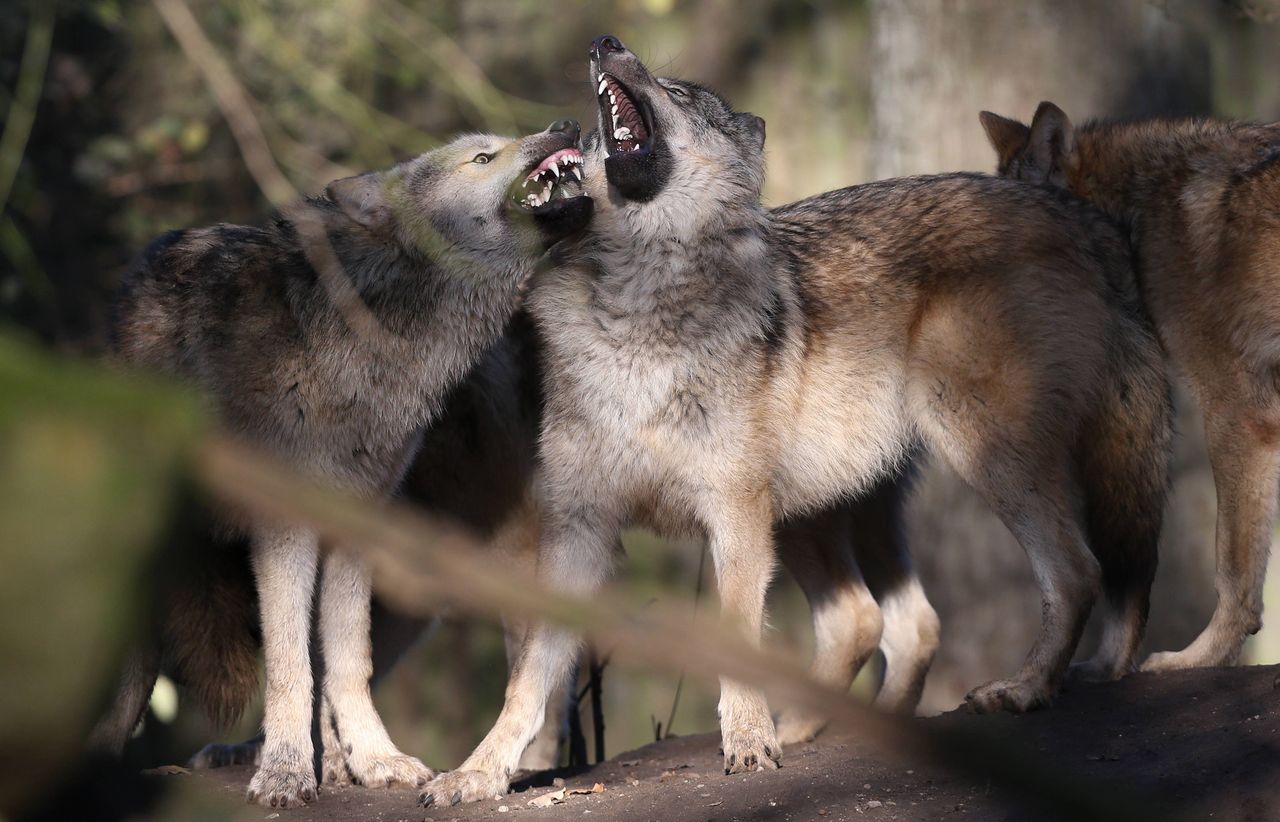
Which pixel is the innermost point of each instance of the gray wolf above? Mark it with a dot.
(476, 466)
(1201, 201)
(329, 337)
(711, 367)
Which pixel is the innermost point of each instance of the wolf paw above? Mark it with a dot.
(333, 768)
(1013, 695)
(450, 788)
(795, 727)
(750, 749)
(1189, 657)
(218, 755)
(1093, 670)
(385, 771)
(282, 788)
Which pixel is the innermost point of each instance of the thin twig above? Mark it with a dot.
(233, 101)
(237, 106)
(697, 597)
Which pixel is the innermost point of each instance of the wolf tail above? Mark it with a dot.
(210, 636)
(1125, 457)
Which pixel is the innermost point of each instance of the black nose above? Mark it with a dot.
(604, 44)
(569, 126)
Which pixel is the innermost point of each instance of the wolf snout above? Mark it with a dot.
(568, 127)
(606, 44)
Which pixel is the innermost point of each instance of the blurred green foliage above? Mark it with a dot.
(90, 470)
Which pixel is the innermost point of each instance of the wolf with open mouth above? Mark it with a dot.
(330, 337)
(712, 367)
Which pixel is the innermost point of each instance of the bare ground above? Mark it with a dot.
(1196, 745)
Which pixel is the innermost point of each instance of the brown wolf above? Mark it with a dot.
(711, 366)
(1201, 201)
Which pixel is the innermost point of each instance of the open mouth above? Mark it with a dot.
(626, 124)
(558, 176)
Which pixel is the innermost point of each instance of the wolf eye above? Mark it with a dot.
(676, 91)
(482, 158)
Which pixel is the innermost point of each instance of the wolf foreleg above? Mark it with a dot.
(284, 565)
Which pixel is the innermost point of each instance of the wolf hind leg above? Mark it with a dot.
(136, 681)
(350, 722)
(1125, 474)
(846, 619)
(1022, 468)
(1244, 450)
(911, 627)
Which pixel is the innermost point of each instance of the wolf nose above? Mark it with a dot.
(605, 44)
(568, 126)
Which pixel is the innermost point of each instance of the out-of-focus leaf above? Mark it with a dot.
(91, 463)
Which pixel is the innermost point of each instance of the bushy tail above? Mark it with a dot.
(210, 637)
(1125, 457)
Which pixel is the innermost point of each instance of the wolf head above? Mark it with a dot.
(493, 199)
(1044, 152)
(658, 135)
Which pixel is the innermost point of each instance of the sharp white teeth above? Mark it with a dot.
(614, 110)
(603, 86)
(622, 133)
(577, 172)
(555, 169)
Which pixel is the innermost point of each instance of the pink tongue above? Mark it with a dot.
(552, 159)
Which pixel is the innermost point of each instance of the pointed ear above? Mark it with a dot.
(1051, 142)
(1006, 136)
(754, 126)
(362, 198)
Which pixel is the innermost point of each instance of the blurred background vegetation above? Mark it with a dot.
(125, 141)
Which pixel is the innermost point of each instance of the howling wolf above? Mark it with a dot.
(711, 366)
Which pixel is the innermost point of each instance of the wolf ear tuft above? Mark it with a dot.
(363, 198)
(1051, 142)
(753, 125)
(1007, 136)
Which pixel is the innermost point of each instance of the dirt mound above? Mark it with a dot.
(1193, 744)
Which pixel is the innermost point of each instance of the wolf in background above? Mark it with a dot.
(330, 337)
(712, 367)
(1200, 199)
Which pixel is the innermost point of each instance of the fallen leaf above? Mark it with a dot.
(548, 799)
(596, 788)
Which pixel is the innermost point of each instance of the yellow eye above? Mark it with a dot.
(482, 158)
